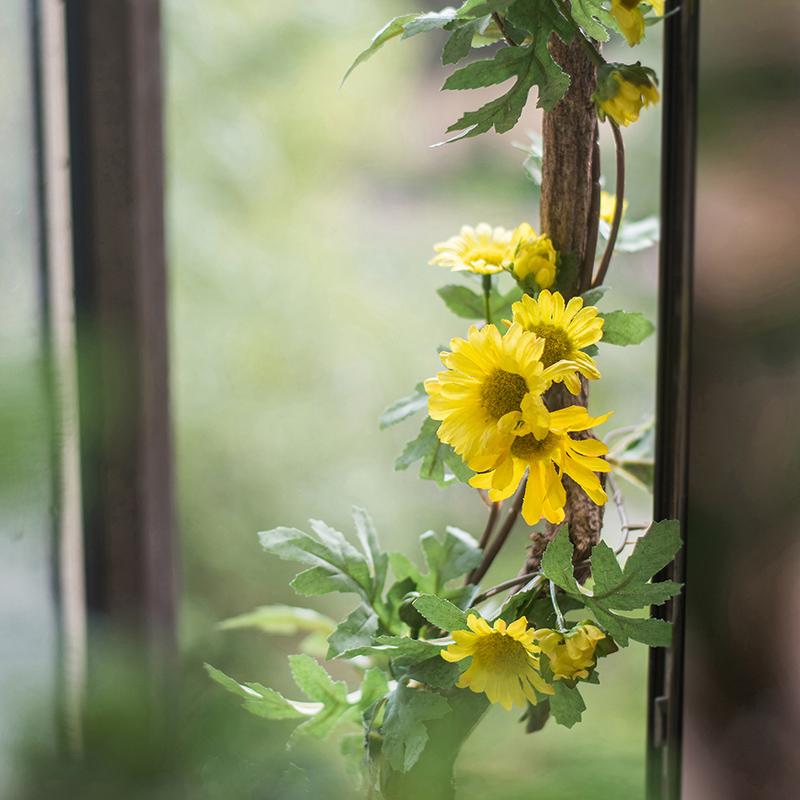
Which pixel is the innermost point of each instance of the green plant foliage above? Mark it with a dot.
(396, 647)
(468, 304)
(624, 328)
(405, 407)
(567, 704)
(593, 17)
(440, 462)
(404, 731)
(634, 236)
(441, 613)
(258, 699)
(618, 589)
(355, 631)
(281, 619)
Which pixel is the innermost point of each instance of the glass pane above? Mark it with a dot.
(301, 220)
(28, 654)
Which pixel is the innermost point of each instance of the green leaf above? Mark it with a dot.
(389, 31)
(374, 687)
(462, 301)
(593, 18)
(531, 66)
(435, 672)
(557, 562)
(258, 699)
(541, 18)
(459, 43)
(355, 631)
(654, 551)
(440, 462)
(441, 613)
(652, 632)
(566, 705)
(448, 558)
(633, 237)
(567, 274)
(280, 619)
(377, 560)
(405, 407)
(396, 647)
(336, 566)
(430, 21)
(624, 328)
(403, 567)
(594, 296)
(312, 679)
(404, 732)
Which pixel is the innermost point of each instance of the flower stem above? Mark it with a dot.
(500, 539)
(560, 624)
(509, 584)
(487, 293)
(620, 189)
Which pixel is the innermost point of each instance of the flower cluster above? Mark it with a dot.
(490, 404)
(485, 250)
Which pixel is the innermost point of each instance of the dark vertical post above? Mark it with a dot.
(665, 702)
(117, 168)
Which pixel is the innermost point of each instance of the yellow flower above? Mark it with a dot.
(658, 7)
(608, 205)
(571, 654)
(630, 19)
(483, 249)
(504, 664)
(566, 331)
(534, 255)
(548, 458)
(491, 392)
(623, 90)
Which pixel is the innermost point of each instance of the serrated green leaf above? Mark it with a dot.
(280, 619)
(624, 328)
(480, 8)
(377, 560)
(606, 570)
(459, 43)
(434, 672)
(336, 564)
(531, 65)
(441, 613)
(396, 647)
(429, 21)
(652, 632)
(440, 462)
(557, 562)
(405, 407)
(312, 679)
(566, 705)
(540, 18)
(374, 687)
(418, 448)
(593, 17)
(449, 558)
(403, 567)
(654, 551)
(355, 631)
(392, 29)
(404, 732)
(258, 699)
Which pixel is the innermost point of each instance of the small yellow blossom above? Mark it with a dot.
(623, 91)
(534, 255)
(608, 205)
(491, 392)
(483, 250)
(630, 19)
(566, 329)
(547, 459)
(504, 663)
(571, 654)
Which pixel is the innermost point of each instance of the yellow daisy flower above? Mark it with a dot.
(534, 255)
(571, 654)
(566, 330)
(630, 19)
(504, 664)
(547, 459)
(624, 90)
(484, 250)
(491, 392)
(608, 205)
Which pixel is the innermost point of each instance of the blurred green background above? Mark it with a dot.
(301, 220)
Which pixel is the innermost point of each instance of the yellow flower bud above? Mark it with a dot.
(534, 255)
(571, 654)
(623, 90)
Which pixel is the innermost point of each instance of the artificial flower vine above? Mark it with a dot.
(431, 647)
